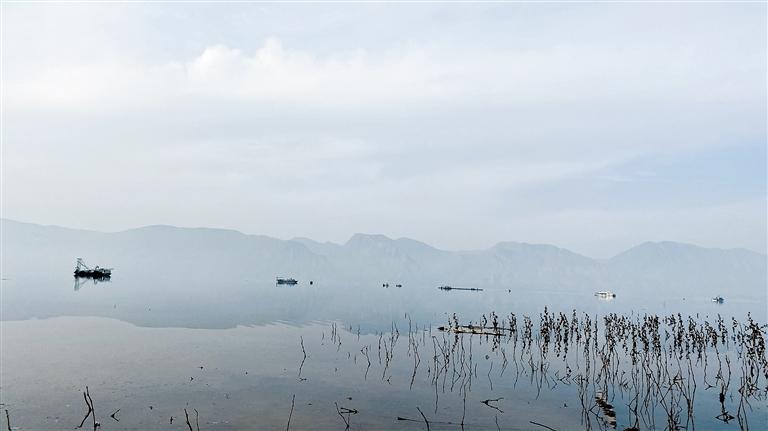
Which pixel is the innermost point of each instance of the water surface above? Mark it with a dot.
(153, 344)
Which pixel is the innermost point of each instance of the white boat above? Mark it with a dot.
(605, 294)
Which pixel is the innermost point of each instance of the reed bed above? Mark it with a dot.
(635, 371)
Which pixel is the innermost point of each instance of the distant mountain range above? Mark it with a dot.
(368, 259)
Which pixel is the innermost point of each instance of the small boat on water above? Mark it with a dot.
(605, 294)
(474, 289)
(718, 299)
(290, 281)
(83, 270)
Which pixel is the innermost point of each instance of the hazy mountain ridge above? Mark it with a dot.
(376, 258)
(652, 262)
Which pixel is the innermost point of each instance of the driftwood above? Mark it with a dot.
(478, 330)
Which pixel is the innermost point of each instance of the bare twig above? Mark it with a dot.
(93, 409)
(88, 413)
(293, 400)
(542, 425)
(346, 420)
(488, 403)
(400, 418)
(187, 417)
(301, 366)
(425, 418)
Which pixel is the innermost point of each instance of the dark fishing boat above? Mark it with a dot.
(290, 281)
(473, 289)
(83, 270)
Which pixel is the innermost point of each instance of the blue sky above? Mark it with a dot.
(592, 126)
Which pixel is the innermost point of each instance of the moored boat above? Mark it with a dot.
(474, 289)
(83, 270)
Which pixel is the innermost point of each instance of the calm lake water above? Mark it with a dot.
(150, 345)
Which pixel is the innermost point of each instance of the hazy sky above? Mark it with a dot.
(590, 126)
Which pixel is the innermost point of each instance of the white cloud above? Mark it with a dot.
(557, 77)
(275, 74)
(271, 74)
